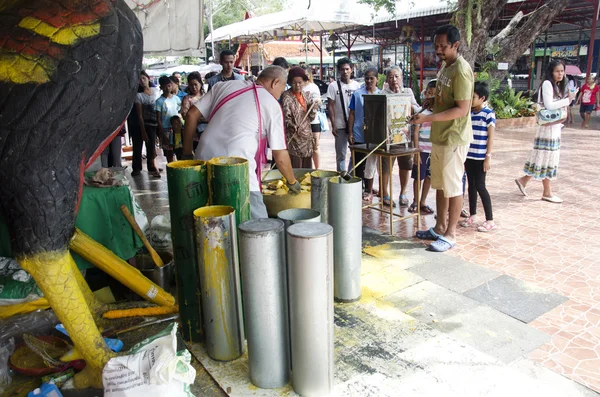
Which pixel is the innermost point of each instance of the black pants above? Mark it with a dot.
(360, 170)
(136, 140)
(138, 144)
(476, 178)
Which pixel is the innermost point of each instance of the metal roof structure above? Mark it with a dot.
(389, 30)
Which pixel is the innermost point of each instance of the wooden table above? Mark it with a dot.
(394, 152)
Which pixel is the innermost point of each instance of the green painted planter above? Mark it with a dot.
(229, 184)
(188, 190)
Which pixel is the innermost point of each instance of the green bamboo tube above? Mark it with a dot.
(229, 184)
(188, 190)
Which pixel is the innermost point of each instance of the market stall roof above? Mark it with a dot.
(322, 16)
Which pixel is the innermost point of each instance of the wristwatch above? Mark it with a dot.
(488, 155)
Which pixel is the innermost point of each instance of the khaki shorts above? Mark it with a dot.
(447, 166)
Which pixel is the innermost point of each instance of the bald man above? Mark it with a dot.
(232, 110)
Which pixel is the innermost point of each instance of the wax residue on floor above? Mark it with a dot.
(383, 251)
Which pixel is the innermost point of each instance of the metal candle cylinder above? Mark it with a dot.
(345, 215)
(216, 239)
(319, 181)
(188, 190)
(310, 271)
(262, 262)
(298, 215)
(229, 184)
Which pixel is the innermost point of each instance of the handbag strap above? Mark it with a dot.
(342, 102)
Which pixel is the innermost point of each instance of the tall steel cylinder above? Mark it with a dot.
(188, 190)
(319, 192)
(310, 274)
(298, 215)
(229, 184)
(216, 240)
(345, 215)
(262, 263)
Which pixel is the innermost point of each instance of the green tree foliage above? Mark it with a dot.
(226, 12)
(388, 5)
(475, 18)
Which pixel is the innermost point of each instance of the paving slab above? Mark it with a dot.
(371, 237)
(516, 298)
(389, 280)
(558, 383)
(429, 302)
(492, 332)
(453, 273)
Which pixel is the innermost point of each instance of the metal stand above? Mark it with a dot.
(384, 155)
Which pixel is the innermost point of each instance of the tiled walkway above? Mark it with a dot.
(552, 246)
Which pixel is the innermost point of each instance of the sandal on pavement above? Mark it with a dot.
(521, 187)
(375, 192)
(427, 209)
(403, 200)
(486, 226)
(387, 202)
(464, 214)
(467, 222)
(553, 199)
(428, 234)
(442, 244)
(413, 207)
(367, 197)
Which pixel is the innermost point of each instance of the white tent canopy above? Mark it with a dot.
(171, 27)
(323, 16)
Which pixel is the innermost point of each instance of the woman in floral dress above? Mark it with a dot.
(298, 112)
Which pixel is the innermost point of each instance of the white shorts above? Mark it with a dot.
(371, 167)
(447, 166)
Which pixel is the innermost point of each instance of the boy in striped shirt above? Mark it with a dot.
(479, 157)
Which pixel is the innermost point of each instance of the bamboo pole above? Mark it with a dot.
(188, 190)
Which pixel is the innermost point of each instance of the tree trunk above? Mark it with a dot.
(481, 19)
(511, 42)
(209, 16)
(519, 39)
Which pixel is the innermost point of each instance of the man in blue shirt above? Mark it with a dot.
(356, 119)
(226, 59)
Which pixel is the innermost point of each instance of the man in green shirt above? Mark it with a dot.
(451, 135)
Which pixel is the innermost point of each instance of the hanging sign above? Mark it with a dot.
(564, 51)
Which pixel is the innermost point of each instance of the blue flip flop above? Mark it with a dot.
(442, 244)
(428, 234)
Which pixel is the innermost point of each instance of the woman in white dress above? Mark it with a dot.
(542, 163)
